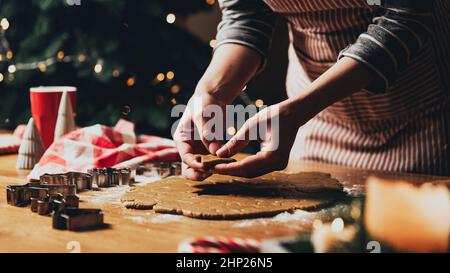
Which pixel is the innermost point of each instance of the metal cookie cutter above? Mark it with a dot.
(22, 195)
(37, 193)
(41, 189)
(46, 205)
(18, 195)
(176, 168)
(98, 176)
(159, 169)
(78, 219)
(82, 181)
(125, 177)
(71, 201)
(108, 177)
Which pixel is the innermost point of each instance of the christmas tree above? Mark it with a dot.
(128, 59)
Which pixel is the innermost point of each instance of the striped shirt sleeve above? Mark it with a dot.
(392, 40)
(246, 22)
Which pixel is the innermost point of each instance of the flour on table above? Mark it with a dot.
(164, 218)
(300, 217)
(112, 195)
(155, 218)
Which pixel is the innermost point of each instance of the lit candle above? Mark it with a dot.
(329, 237)
(407, 217)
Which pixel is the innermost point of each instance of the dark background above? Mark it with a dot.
(63, 43)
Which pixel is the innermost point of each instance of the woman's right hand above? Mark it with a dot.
(231, 67)
(192, 136)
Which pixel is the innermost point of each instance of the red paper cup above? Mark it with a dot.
(44, 108)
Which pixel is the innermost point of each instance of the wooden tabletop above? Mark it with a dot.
(144, 231)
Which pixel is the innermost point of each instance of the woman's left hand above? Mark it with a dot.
(278, 125)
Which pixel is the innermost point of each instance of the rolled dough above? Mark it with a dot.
(227, 197)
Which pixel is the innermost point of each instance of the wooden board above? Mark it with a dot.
(141, 231)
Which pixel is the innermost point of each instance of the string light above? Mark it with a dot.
(170, 18)
(42, 67)
(259, 103)
(115, 73)
(4, 24)
(213, 43)
(160, 77)
(98, 68)
(174, 89)
(60, 55)
(170, 75)
(210, 2)
(81, 58)
(131, 81)
(12, 68)
(231, 131)
(9, 55)
(337, 225)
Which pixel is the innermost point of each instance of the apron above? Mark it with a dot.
(405, 129)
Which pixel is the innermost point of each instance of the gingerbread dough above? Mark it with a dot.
(226, 197)
(212, 160)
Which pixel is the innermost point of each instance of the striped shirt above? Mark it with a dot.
(401, 121)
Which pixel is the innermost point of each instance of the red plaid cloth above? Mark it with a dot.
(9, 143)
(99, 146)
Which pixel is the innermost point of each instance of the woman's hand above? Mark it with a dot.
(231, 67)
(276, 127)
(192, 137)
(342, 79)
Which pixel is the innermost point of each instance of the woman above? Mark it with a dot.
(368, 85)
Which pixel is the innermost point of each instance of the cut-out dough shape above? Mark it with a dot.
(226, 197)
(212, 160)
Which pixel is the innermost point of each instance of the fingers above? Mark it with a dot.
(187, 154)
(208, 117)
(191, 129)
(186, 149)
(239, 141)
(192, 174)
(191, 168)
(190, 160)
(186, 146)
(253, 166)
(208, 138)
(232, 147)
(213, 146)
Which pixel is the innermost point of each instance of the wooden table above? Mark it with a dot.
(142, 231)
